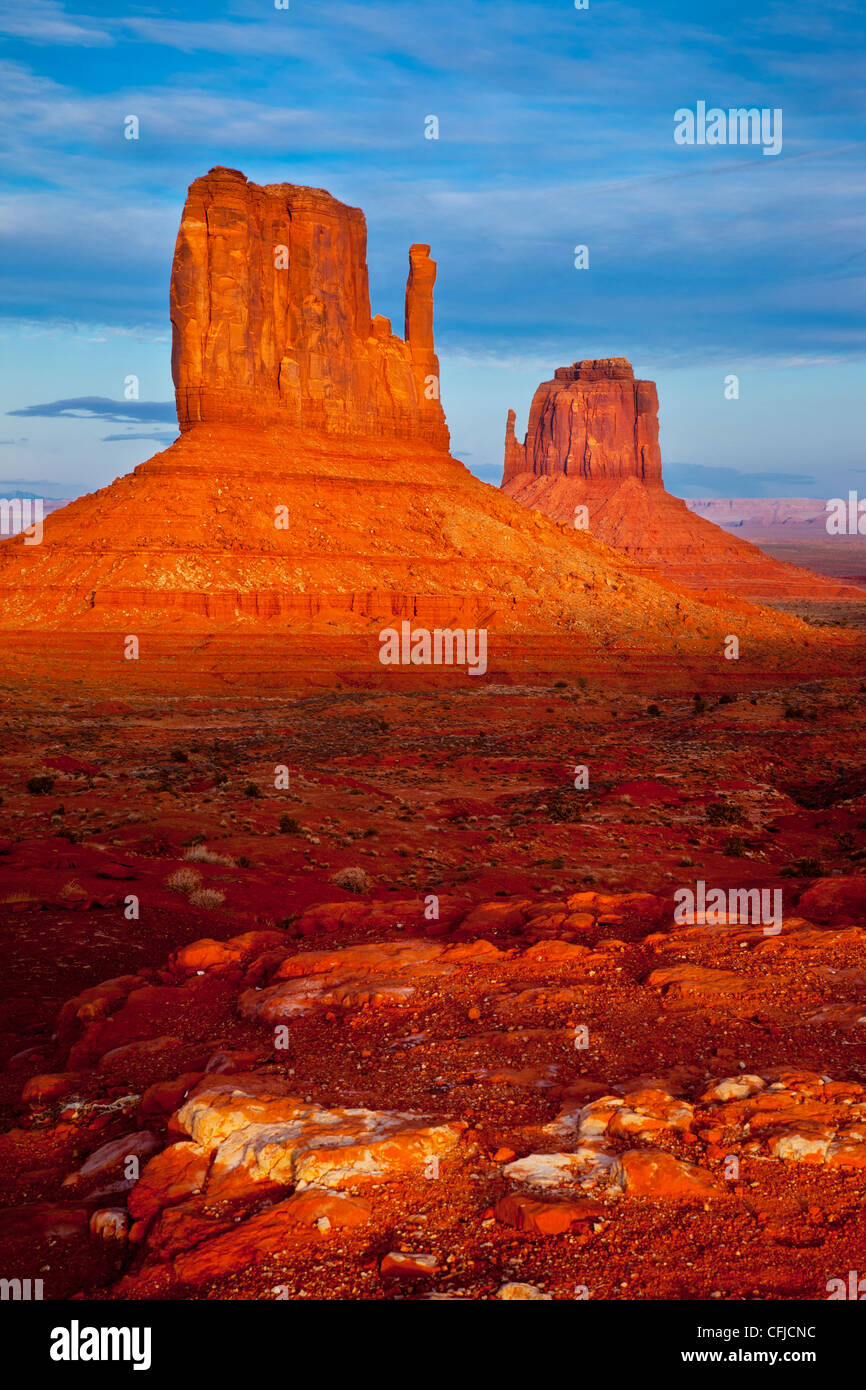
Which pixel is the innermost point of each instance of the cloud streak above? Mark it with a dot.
(101, 408)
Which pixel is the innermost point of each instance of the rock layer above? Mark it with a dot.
(592, 443)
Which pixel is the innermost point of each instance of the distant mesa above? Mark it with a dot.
(591, 453)
(759, 513)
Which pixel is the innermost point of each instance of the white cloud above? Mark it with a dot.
(46, 22)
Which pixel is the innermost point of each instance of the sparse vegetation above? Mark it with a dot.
(40, 786)
(290, 825)
(200, 854)
(723, 813)
(252, 790)
(207, 897)
(184, 880)
(802, 868)
(354, 880)
(797, 712)
(563, 806)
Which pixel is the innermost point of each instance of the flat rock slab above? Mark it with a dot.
(254, 1124)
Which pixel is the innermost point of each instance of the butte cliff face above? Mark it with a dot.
(311, 500)
(591, 453)
(594, 422)
(270, 312)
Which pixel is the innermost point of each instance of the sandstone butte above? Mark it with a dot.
(593, 441)
(296, 403)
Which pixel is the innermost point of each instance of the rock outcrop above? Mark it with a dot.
(591, 460)
(270, 312)
(592, 421)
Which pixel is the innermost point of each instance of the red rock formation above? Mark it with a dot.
(311, 495)
(592, 443)
(514, 455)
(592, 421)
(270, 310)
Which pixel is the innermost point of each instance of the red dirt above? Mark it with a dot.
(441, 793)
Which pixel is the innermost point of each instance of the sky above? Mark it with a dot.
(556, 130)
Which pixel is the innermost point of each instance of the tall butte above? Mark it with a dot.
(270, 312)
(591, 456)
(311, 499)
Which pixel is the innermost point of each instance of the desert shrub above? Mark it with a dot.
(802, 868)
(183, 880)
(819, 796)
(40, 785)
(200, 854)
(734, 846)
(810, 716)
(653, 711)
(563, 806)
(207, 897)
(290, 825)
(252, 790)
(354, 880)
(723, 813)
(178, 756)
(699, 704)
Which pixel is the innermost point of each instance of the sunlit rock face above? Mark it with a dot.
(270, 311)
(592, 421)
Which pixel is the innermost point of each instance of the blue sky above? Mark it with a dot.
(556, 129)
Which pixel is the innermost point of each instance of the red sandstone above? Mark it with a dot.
(592, 442)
